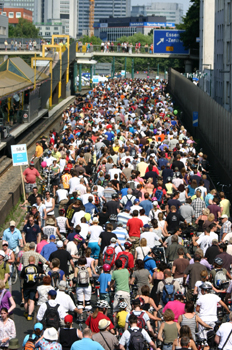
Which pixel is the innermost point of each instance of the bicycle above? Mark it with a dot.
(14, 274)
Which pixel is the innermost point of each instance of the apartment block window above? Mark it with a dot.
(228, 53)
(47, 28)
(4, 13)
(56, 28)
(47, 34)
(228, 13)
(11, 15)
(227, 92)
(18, 14)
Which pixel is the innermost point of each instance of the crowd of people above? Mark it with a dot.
(129, 238)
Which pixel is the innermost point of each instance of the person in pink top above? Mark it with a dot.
(177, 305)
(43, 242)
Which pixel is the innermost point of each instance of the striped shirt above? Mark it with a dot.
(121, 234)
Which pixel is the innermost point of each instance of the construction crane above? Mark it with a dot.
(91, 17)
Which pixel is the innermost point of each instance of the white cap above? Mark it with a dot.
(59, 244)
(224, 216)
(155, 203)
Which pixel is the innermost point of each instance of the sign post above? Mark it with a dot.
(19, 157)
(169, 42)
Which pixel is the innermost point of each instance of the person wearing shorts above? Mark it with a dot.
(29, 176)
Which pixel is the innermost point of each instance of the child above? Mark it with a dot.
(104, 280)
(121, 316)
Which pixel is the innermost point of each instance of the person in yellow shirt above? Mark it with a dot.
(224, 204)
(121, 315)
(65, 179)
(38, 150)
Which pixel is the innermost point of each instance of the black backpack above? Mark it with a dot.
(137, 341)
(51, 317)
(55, 276)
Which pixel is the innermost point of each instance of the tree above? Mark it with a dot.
(91, 39)
(191, 26)
(23, 29)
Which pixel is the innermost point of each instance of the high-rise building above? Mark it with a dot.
(206, 45)
(172, 11)
(102, 9)
(223, 53)
(65, 11)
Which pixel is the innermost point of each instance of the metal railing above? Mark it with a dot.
(115, 48)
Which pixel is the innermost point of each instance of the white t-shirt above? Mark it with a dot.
(114, 171)
(151, 237)
(62, 194)
(142, 252)
(65, 301)
(223, 332)
(203, 191)
(73, 182)
(61, 223)
(50, 230)
(204, 242)
(76, 220)
(145, 219)
(95, 232)
(227, 237)
(125, 338)
(208, 307)
(43, 293)
(72, 248)
(85, 198)
(135, 207)
(84, 230)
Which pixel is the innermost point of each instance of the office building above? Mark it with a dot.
(222, 53)
(25, 4)
(103, 9)
(206, 45)
(172, 11)
(46, 30)
(65, 11)
(15, 13)
(3, 27)
(111, 29)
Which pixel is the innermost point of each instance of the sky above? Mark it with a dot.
(144, 2)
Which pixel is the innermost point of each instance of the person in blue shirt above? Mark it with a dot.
(38, 330)
(162, 161)
(146, 204)
(125, 190)
(31, 231)
(49, 248)
(13, 236)
(149, 262)
(86, 342)
(104, 280)
(110, 135)
(90, 207)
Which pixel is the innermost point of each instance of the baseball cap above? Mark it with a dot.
(136, 200)
(113, 240)
(5, 243)
(39, 326)
(52, 237)
(224, 216)
(95, 219)
(52, 293)
(32, 163)
(68, 319)
(146, 226)
(155, 203)
(12, 223)
(59, 244)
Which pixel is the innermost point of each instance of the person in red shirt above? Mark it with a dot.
(155, 169)
(29, 177)
(133, 227)
(99, 314)
(128, 247)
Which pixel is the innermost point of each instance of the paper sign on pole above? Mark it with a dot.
(19, 154)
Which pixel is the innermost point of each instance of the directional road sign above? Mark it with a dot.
(168, 41)
(195, 118)
(19, 154)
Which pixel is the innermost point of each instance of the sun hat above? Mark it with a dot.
(14, 344)
(103, 324)
(59, 244)
(50, 334)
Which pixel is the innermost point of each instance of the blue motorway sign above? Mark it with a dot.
(168, 41)
(195, 118)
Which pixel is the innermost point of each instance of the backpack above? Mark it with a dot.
(137, 341)
(31, 274)
(124, 259)
(140, 320)
(96, 200)
(55, 276)
(219, 278)
(30, 344)
(159, 195)
(128, 204)
(51, 317)
(109, 257)
(168, 293)
(83, 276)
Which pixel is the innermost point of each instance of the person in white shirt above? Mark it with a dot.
(136, 206)
(72, 249)
(152, 238)
(61, 196)
(114, 171)
(121, 233)
(76, 220)
(204, 241)
(73, 183)
(64, 299)
(128, 196)
(81, 187)
(85, 197)
(84, 228)
(224, 335)
(52, 302)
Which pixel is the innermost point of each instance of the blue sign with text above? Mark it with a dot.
(168, 41)
(195, 118)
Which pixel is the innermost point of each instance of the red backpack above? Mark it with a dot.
(109, 257)
(96, 200)
(140, 320)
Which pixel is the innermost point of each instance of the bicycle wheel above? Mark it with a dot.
(14, 275)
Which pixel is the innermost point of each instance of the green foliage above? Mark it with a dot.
(93, 39)
(191, 26)
(23, 29)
